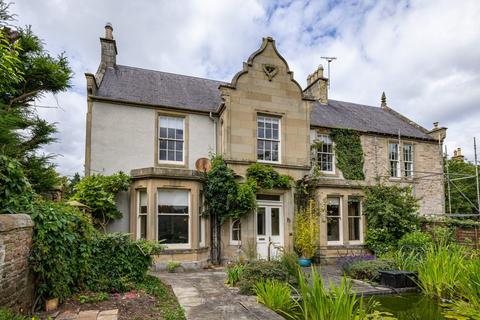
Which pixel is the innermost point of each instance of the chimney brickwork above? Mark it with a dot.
(317, 86)
(108, 57)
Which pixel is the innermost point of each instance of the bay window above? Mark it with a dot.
(142, 209)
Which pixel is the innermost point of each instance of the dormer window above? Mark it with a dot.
(171, 139)
(268, 139)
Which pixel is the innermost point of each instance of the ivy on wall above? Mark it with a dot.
(267, 178)
(349, 153)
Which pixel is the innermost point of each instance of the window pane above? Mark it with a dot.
(236, 230)
(275, 221)
(163, 155)
(261, 221)
(171, 156)
(172, 201)
(353, 208)
(179, 134)
(163, 132)
(163, 144)
(333, 229)
(174, 229)
(179, 156)
(354, 229)
(142, 220)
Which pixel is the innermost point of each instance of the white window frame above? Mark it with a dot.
(319, 139)
(360, 218)
(340, 222)
(201, 242)
(183, 141)
(139, 191)
(232, 241)
(279, 140)
(176, 245)
(390, 160)
(409, 162)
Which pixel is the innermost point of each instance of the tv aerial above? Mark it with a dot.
(329, 59)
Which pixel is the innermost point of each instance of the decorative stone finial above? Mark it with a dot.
(383, 100)
(435, 125)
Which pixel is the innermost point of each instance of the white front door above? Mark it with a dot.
(269, 231)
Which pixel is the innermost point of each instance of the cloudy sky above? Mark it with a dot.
(424, 54)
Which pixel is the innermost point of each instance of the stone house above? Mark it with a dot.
(160, 127)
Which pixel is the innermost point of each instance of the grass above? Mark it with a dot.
(6, 314)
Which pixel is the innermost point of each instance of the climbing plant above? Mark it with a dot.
(349, 153)
(267, 178)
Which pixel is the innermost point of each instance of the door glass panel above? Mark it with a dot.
(261, 221)
(275, 221)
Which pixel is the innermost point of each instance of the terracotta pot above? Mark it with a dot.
(51, 304)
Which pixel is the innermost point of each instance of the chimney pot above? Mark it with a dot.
(108, 31)
(435, 125)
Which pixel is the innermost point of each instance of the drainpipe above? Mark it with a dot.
(214, 132)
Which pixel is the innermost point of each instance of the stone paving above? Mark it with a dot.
(204, 296)
(88, 315)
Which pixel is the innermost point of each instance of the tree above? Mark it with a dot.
(459, 202)
(99, 193)
(27, 73)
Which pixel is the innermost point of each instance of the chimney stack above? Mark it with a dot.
(383, 100)
(317, 85)
(457, 155)
(108, 58)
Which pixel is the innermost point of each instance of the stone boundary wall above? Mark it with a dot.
(16, 282)
(464, 235)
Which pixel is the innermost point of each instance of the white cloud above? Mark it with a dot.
(424, 54)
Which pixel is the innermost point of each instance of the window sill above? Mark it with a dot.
(182, 251)
(270, 162)
(235, 243)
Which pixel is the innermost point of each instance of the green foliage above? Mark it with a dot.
(443, 235)
(369, 269)
(276, 295)
(267, 178)
(379, 240)
(391, 212)
(290, 262)
(224, 196)
(171, 310)
(459, 204)
(99, 193)
(348, 153)
(307, 229)
(28, 72)
(172, 266)
(443, 270)
(94, 297)
(118, 263)
(259, 270)
(324, 302)
(61, 250)
(16, 194)
(234, 274)
(6, 314)
(415, 241)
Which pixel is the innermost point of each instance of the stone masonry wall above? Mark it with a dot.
(16, 283)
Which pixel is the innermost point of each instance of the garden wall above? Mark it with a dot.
(468, 235)
(16, 282)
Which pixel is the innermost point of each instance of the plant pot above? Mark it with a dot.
(304, 262)
(51, 304)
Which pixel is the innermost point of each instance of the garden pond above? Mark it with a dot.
(409, 306)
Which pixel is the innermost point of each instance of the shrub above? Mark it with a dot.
(415, 241)
(290, 261)
(61, 250)
(234, 274)
(117, 262)
(16, 194)
(171, 266)
(344, 263)
(277, 296)
(391, 210)
(307, 229)
(379, 240)
(369, 269)
(99, 193)
(443, 235)
(267, 178)
(261, 270)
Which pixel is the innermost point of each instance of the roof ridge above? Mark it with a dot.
(172, 73)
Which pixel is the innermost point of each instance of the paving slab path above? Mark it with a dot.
(204, 296)
(88, 315)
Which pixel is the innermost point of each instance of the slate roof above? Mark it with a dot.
(160, 88)
(198, 94)
(340, 114)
